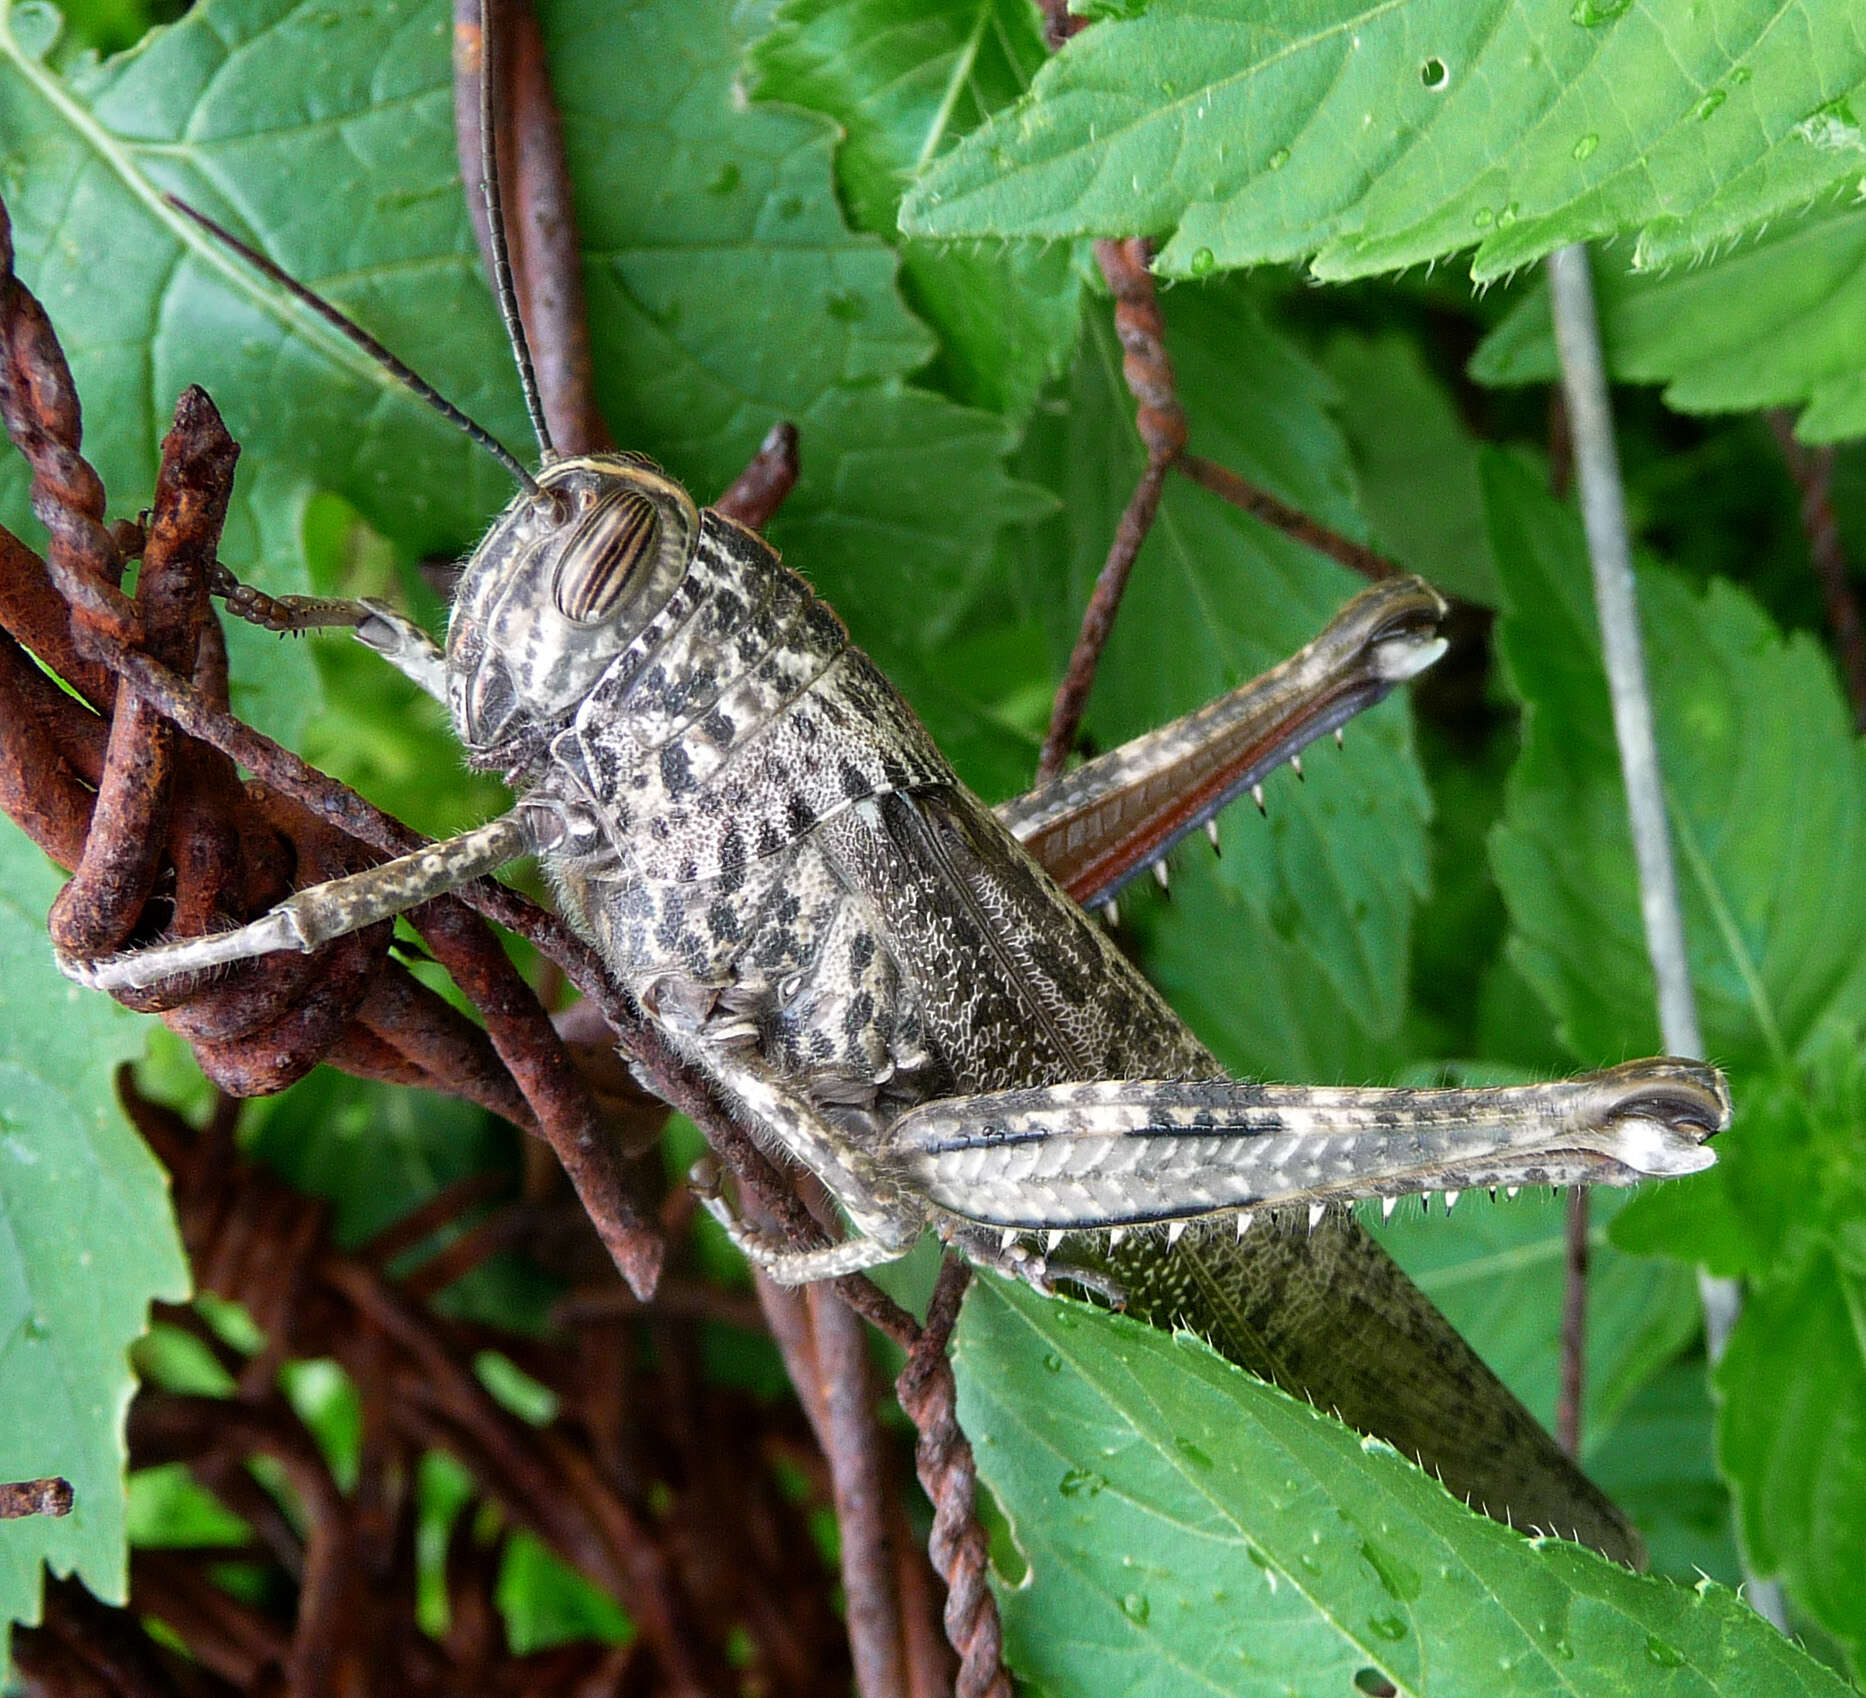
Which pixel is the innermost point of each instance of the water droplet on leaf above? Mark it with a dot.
(1400, 1579)
(1584, 148)
(1082, 1483)
(1666, 1656)
(1203, 261)
(1279, 159)
(1192, 1453)
(1831, 126)
(1433, 73)
(1136, 1608)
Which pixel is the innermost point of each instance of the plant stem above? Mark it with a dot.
(1603, 514)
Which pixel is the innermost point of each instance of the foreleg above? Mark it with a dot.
(394, 636)
(314, 916)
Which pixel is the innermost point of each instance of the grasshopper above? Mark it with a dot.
(899, 988)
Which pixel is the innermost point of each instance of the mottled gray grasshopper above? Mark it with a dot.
(890, 982)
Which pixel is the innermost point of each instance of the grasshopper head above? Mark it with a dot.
(562, 582)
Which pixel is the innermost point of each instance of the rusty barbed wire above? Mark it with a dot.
(534, 180)
(1161, 422)
(943, 1458)
(729, 1550)
(264, 1024)
(756, 494)
(21, 1498)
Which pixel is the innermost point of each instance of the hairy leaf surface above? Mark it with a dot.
(1792, 1434)
(1781, 322)
(1188, 1528)
(905, 79)
(1368, 137)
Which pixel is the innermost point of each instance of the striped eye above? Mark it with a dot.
(619, 532)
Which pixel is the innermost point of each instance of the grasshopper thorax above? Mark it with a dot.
(561, 583)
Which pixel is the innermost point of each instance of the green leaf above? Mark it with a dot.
(107, 26)
(1656, 1463)
(1766, 785)
(1792, 1435)
(1777, 323)
(905, 79)
(1187, 1526)
(1786, 1206)
(1314, 907)
(545, 1602)
(168, 1508)
(1495, 1270)
(1373, 137)
(1415, 462)
(87, 1239)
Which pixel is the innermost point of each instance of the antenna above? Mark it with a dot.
(355, 333)
(495, 229)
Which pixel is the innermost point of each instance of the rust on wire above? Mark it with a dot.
(943, 1458)
(265, 1024)
(1148, 370)
(42, 416)
(254, 1241)
(21, 1498)
(756, 494)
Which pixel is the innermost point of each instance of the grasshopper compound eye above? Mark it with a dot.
(610, 542)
